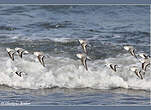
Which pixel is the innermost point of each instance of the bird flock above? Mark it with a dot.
(143, 58)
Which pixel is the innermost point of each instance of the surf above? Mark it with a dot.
(65, 72)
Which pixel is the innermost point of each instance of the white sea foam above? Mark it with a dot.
(69, 73)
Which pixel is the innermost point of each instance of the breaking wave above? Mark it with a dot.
(66, 72)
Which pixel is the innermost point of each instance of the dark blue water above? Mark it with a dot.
(55, 30)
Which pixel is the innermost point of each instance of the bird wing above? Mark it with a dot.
(83, 60)
(144, 65)
(137, 74)
(11, 55)
(18, 73)
(115, 67)
(42, 59)
(140, 74)
(132, 52)
(146, 56)
(111, 66)
(39, 58)
(21, 54)
(84, 47)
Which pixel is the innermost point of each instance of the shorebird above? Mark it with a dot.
(137, 71)
(145, 63)
(143, 55)
(21, 51)
(112, 66)
(40, 57)
(83, 45)
(131, 50)
(83, 58)
(11, 53)
(18, 73)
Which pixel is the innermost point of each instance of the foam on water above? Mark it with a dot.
(69, 73)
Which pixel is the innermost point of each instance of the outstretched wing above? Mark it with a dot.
(144, 65)
(111, 67)
(39, 58)
(132, 52)
(18, 73)
(137, 74)
(42, 60)
(21, 54)
(84, 47)
(11, 55)
(115, 67)
(83, 60)
(140, 75)
(146, 56)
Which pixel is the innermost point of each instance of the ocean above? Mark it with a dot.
(55, 31)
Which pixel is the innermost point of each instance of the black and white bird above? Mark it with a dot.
(112, 66)
(83, 58)
(18, 73)
(131, 50)
(40, 57)
(11, 53)
(144, 55)
(145, 63)
(21, 51)
(83, 45)
(137, 71)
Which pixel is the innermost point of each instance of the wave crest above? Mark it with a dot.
(69, 73)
